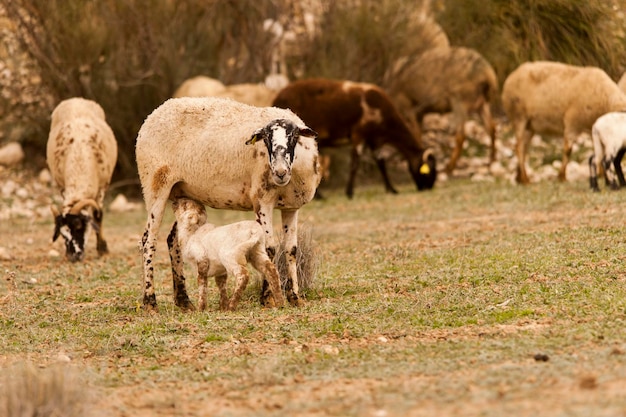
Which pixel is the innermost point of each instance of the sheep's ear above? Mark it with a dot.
(257, 135)
(307, 131)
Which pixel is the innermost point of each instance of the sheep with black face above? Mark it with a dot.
(81, 155)
(225, 155)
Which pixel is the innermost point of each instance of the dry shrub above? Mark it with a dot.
(307, 260)
(33, 392)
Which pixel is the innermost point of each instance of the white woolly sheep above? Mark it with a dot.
(222, 251)
(81, 156)
(556, 99)
(609, 144)
(226, 155)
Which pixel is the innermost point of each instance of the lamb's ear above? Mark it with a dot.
(58, 220)
(259, 134)
(307, 131)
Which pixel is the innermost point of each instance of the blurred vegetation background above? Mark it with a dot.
(130, 55)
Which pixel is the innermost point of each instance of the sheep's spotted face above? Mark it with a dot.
(281, 137)
(74, 228)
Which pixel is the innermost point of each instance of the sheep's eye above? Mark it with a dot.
(77, 224)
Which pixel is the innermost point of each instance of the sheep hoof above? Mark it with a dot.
(295, 300)
(183, 302)
(150, 304)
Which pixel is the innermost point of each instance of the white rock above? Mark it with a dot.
(120, 204)
(11, 154)
(5, 255)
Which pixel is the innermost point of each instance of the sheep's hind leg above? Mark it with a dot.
(220, 280)
(181, 299)
(241, 275)
(271, 280)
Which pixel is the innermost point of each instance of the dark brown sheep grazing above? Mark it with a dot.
(364, 115)
(442, 80)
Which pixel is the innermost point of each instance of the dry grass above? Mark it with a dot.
(423, 304)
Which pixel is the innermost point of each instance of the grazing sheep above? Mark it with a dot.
(199, 86)
(253, 94)
(442, 80)
(81, 156)
(227, 155)
(609, 143)
(223, 251)
(363, 114)
(556, 99)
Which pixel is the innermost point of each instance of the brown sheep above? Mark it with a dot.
(552, 98)
(362, 113)
(442, 80)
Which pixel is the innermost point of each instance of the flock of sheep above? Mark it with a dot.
(253, 148)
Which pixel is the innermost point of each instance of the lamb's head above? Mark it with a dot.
(280, 137)
(424, 170)
(190, 215)
(74, 226)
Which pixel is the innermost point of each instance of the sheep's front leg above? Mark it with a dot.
(181, 299)
(264, 218)
(101, 244)
(290, 241)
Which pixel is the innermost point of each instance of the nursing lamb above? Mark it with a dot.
(222, 251)
(609, 143)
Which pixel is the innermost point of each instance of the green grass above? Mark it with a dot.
(423, 301)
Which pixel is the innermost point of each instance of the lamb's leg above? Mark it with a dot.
(203, 269)
(181, 299)
(290, 229)
(220, 280)
(241, 278)
(148, 249)
(266, 267)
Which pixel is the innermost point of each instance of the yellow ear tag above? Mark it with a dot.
(252, 140)
(425, 169)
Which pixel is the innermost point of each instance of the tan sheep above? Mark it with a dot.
(622, 83)
(199, 86)
(249, 93)
(222, 251)
(442, 80)
(551, 98)
(226, 155)
(81, 155)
